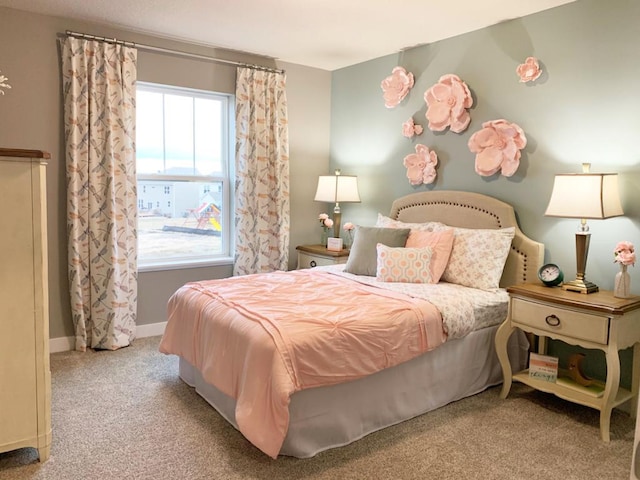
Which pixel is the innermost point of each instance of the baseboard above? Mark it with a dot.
(64, 344)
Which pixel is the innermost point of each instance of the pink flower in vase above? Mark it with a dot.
(396, 86)
(624, 254)
(348, 228)
(529, 70)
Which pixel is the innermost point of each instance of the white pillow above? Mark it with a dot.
(478, 256)
(387, 222)
(406, 265)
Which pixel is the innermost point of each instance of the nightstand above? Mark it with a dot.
(318, 255)
(595, 321)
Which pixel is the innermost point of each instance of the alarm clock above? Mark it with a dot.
(550, 275)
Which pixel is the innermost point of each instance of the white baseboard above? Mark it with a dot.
(64, 344)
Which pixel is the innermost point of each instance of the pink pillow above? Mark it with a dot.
(441, 244)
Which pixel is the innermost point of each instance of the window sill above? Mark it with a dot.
(184, 265)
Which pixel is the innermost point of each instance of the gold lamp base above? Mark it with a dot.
(582, 251)
(580, 286)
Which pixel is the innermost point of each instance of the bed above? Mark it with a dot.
(300, 399)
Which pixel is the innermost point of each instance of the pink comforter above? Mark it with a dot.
(260, 338)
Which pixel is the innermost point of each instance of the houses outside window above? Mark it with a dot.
(182, 158)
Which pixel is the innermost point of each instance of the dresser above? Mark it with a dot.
(310, 256)
(594, 321)
(25, 379)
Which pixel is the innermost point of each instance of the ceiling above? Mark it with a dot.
(325, 34)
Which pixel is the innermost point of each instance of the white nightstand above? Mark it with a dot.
(317, 255)
(594, 321)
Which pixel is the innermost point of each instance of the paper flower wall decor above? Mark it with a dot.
(409, 129)
(447, 103)
(529, 70)
(396, 86)
(3, 84)
(421, 166)
(497, 147)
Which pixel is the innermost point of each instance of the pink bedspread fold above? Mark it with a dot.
(260, 338)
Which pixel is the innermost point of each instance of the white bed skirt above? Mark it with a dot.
(328, 417)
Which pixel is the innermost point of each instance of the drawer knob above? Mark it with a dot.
(312, 263)
(552, 321)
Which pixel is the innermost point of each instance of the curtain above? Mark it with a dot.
(262, 172)
(99, 121)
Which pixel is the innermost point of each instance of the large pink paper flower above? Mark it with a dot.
(497, 146)
(396, 86)
(529, 70)
(409, 128)
(447, 102)
(421, 166)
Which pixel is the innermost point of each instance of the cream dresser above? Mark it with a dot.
(25, 379)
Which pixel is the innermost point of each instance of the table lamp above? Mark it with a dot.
(336, 189)
(585, 196)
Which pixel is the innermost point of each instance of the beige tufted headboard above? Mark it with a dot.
(474, 210)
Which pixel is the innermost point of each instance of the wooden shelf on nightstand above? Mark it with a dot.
(593, 321)
(317, 255)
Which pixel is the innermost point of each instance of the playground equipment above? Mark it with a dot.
(206, 214)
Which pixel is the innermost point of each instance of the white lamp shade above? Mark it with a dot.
(337, 189)
(585, 195)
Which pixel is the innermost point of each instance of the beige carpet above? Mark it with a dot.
(127, 415)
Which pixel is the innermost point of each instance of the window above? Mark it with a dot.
(182, 158)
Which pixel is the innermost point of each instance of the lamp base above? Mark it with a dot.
(580, 286)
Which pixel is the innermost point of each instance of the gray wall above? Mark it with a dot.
(584, 108)
(31, 118)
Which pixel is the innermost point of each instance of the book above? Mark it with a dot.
(543, 367)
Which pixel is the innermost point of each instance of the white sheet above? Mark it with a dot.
(463, 309)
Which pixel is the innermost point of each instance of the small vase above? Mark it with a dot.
(622, 285)
(324, 237)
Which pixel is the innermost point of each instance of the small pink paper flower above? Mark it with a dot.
(396, 86)
(624, 253)
(447, 102)
(497, 146)
(421, 166)
(529, 70)
(409, 128)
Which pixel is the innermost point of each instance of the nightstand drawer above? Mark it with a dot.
(307, 260)
(554, 319)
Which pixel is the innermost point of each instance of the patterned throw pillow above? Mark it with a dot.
(478, 257)
(387, 222)
(406, 265)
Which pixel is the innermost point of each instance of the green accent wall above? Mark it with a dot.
(584, 108)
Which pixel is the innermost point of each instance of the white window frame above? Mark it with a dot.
(225, 257)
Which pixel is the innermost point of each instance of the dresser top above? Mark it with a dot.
(16, 152)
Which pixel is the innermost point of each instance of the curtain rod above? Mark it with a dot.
(170, 51)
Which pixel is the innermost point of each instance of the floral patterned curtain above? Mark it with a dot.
(99, 118)
(262, 172)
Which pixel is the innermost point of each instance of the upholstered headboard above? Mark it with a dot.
(474, 210)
